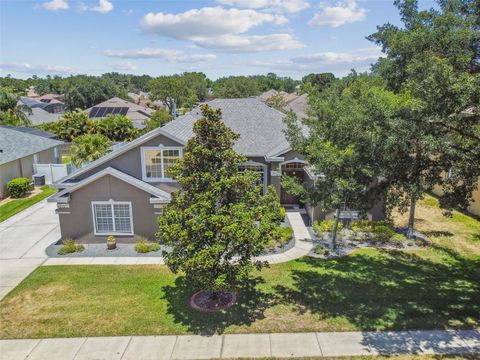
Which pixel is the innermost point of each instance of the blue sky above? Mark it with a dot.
(218, 37)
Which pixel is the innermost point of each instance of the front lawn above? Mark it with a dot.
(438, 287)
(15, 206)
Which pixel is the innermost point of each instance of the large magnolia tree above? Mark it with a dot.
(218, 221)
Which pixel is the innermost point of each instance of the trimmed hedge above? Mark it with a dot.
(18, 187)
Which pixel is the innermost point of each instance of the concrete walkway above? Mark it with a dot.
(23, 239)
(303, 244)
(287, 345)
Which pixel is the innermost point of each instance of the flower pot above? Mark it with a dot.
(111, 245)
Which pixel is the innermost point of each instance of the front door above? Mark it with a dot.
(286, 198)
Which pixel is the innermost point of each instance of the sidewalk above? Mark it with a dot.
(244, 346)
(303, 244)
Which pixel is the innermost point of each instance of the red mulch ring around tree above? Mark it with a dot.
(206, 301)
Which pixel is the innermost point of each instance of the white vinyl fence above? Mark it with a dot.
(53, 172)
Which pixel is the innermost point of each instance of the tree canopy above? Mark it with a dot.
(217, 222)
(89, 147)
(415, 120)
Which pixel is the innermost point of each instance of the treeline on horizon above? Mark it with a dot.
(84, 91)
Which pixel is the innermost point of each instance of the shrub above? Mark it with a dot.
(69, 246)
(18, 187)
(382, 233)
(320, 250)
(280, 237)
(324, 226)
(419, 242)
(367, 225)
(143, 245)
(410, 243)
(398, 239)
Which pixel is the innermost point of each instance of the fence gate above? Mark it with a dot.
(52, 172)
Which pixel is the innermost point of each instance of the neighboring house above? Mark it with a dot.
(52, 106)
(297, 103)
(123, 192)
(137, 113)
(22, 147)
(38, 116)
(143, 99)
(299, 106)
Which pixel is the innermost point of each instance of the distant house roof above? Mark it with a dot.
(50, 99)
(299, 106)
(267, 95)
(16, 144)
(137, 113)
(53, 106)
(260, 127)
(39, 116)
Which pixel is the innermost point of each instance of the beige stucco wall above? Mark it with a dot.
(78, 224)
(23, 168)
(8, 171)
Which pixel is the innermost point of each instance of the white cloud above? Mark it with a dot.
(55, 5)
(337, 62)
(359, 55)
(36, 69)
(158, 53)
(343, 12)
(282, 6)
(103, 7)
(208, 21)
(249, 43)
(122, 66)
(221, 29)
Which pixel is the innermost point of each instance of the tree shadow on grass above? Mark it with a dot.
(389, 290)
(250, 306)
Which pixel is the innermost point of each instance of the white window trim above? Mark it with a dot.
(160, 148)
(111, 203)
(265, 172)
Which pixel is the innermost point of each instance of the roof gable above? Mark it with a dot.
(120, 150)
(163, 196)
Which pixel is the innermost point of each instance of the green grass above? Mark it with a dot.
(433, 288)
(15, 206)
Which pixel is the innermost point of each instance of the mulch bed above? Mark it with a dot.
(204, 301)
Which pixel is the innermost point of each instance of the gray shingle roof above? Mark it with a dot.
(39, 116)
(260, 127)
(17, 144)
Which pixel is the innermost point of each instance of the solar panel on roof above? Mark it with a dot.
(100, 112)
(93, 112)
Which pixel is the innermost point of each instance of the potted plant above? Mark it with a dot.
(111, 243)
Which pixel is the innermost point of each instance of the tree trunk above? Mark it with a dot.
(411, 217)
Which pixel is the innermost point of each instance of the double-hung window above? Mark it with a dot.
(112, 218)
(157, 161)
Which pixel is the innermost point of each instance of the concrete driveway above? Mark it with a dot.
(23, 239)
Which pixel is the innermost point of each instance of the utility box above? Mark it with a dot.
(38, 180)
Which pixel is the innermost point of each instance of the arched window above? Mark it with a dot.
(294, 165)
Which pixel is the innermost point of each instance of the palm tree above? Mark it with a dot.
(89, 147)
(11, 112)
